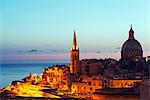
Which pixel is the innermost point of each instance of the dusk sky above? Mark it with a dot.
(43, 29)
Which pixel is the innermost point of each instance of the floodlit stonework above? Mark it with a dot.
(82, 78)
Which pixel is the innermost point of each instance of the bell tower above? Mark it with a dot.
(74, 56)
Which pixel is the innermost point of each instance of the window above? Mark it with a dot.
(75, 56)
(89, 83)
(87, 69)
(91, 89)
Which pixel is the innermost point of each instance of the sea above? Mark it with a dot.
(12, 72)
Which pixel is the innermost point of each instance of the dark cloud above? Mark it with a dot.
(34, 50)
(43, 51)
(98, 52)
(30, 51)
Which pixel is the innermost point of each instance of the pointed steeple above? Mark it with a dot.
(74, 56)
(131, 33)
(74, 45)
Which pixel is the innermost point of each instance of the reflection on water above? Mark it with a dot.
(115, 97)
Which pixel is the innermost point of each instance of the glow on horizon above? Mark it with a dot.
(101, 25)
(59, 57)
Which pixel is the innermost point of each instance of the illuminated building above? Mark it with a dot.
(74, 57)
(89, 75)
(122, 83)
(57, 77)
(86, 76)
(90, 66)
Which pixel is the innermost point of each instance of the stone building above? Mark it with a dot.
(123, 83)
(88, 84)
(74, 57)
(85, 66)
(90, 67)
(57, 77)
(131, 49)
(89, 75)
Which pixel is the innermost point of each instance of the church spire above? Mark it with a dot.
(74, 56)
(74, 45)
(131, 33)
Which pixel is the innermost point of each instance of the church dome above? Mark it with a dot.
(131, 48)
(132, 45)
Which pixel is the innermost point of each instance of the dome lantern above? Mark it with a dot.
(131, 33)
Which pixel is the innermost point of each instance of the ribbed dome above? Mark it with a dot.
(132, 45)
(131, 48)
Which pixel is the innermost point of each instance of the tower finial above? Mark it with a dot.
(74, 39)
(131, 33)
(74, 45)
(131, 28)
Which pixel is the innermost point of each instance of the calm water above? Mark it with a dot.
(11, 72)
